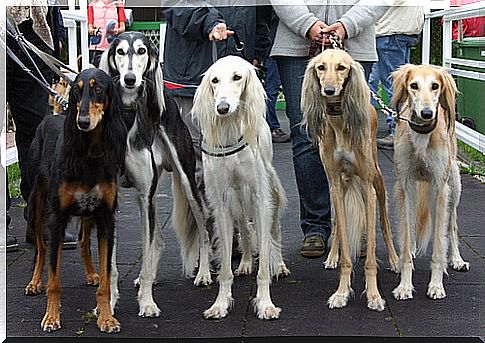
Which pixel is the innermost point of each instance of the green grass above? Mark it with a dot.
(13, 172)
(475, 160)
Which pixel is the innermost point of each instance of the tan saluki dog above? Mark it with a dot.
(428, 185)
(337, 111)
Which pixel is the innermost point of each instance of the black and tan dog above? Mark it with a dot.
(75, 160)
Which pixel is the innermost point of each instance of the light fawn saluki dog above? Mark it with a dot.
(428, 186)
(242, 186)
(337, 111)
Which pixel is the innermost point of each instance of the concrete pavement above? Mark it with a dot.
(302, 296)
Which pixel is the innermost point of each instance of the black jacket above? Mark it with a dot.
(188, 51)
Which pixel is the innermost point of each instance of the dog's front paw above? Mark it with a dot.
(460, 265)
(203, 280)
(215, 312)
(282, 271)
(265, 309)
(376, 304)
(51, 322)
(149, 309)
(338, 300)
(92, 279)
(245, 268)
(109, 324)
(436, 291)
(402, 292)
(33, 288)
(331, 262)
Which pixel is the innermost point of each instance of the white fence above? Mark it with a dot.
(471, 137)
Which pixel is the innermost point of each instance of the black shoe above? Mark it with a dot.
(279, 136)
(70, 241)
(12, 244)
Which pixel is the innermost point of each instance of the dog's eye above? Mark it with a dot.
(120, 52)
(98, 89)
(237, 77)
(76, 92)
(141, 51)
(435, 86)
(341, 67)
(215, 80)
(414, 86)
(321, 67)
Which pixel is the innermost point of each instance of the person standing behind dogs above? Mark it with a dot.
(298, 26)
(396, 32)
(28, 101)
(188, 51)
(106, 20)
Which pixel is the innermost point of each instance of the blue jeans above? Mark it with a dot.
(312, 183)
(272, 84)
(393, 51)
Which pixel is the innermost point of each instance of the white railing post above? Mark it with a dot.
(426, 43)
(83, 8)
(447, 41)
(72, 38)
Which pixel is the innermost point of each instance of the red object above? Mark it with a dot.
(471, 27)
(121, 14)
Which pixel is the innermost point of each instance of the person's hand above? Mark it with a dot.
(220, 32)
(338, 28)
(314, 32)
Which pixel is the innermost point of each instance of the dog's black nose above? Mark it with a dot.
(83, 122)
(329, 90)
(130, 79)
(426, 113)
(223, 107)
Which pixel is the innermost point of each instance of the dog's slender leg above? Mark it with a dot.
(224, 299)
(374, 299)
(340, 297)
(35, 285)
(92, 277)
(456, 260)
(384, 219)
(264, 307)
(114, 294)
(440, 245)
(332, 259)
(106, 321)
(246, 265)
(52, 317)
(406, 199)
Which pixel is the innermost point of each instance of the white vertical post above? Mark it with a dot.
(426, 43)
(161, 47)
(446, 41)
(83, 9)
(72, 33)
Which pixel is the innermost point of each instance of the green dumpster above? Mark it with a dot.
(471, 100)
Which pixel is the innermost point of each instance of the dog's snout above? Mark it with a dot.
(426, 113)
(83, 122)
(223, 107)
(130, 79)
(329, 90)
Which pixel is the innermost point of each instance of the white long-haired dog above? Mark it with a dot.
(242, 186)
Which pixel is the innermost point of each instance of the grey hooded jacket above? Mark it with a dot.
(297, 18)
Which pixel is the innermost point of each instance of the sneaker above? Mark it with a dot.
(386, 142)
(279, 136)
(70, 241)
(12, 244)
(313, 246)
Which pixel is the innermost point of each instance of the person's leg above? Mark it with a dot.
(272, 84)
(311, 180)
(12, 244)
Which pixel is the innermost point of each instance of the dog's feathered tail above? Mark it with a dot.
(355, 211)
(185, 228)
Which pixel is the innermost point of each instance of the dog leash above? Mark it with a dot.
(239, 47)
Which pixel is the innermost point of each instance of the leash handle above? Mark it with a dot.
(239, 47)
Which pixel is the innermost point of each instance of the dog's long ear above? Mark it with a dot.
(312, 102)
(114, 127)
(447, 97)
(399, 85)
(155, 74)
(107, 62)
(254, 100)
(203, 108)
(356, 102)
